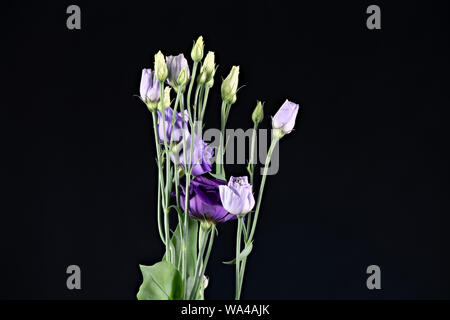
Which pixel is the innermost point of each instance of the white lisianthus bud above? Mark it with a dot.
(167, 97)
(161, 67)
(197, 50)
(207, 71)
(166, 101)
(230, 86)
(258, 113)
(201, 78)
(182, 78)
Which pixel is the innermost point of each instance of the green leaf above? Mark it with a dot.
(218, 176)
(162, 281)
(191, 246)
(248, 248)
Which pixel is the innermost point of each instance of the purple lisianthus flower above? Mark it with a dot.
(201, 156)
(237, 197)
(149, 89)
(284, 119)
(173, 133)
(175, 64)
(204, 200)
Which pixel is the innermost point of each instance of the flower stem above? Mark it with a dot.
(261, 188)
(220, 170)
(186, 205)
(160, 176)
(168, 180)
(238, 264)
(203, 239)
(205, 99)
(251, 171)
(240, 271)
(191, 84)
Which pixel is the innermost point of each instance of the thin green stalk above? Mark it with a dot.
(238, 251)
(186, 205)
(261, 188)
(167, 195)
(203, 239)
(251, 170)
(191, 83)
(205, 99)
(195, 106)
(160, 179)
(258, 205)
(205, 261)
(241, 274)
(220, 170)
(158, 213)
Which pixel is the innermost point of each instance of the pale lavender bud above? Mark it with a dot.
(175, 64)
(284, 120)
(149, 89)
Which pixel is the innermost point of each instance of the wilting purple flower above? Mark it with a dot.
(201, 156)
(174, 132)
(204, 200)
(237, 197)
(284, 119)
(149, 89)
(175, 64)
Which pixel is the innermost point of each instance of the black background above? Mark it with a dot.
(364, 178)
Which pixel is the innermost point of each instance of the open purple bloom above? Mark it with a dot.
(201, 156)
(204, 200)
(237, 197)
(284, 119)
(174, 132)
(149, 89)
(175, 64)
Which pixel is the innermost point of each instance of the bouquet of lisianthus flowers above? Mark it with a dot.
(188, 192)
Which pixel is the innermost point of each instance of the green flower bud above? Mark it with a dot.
(165, 103)
(258, 113)
(167, 97)
(160, 67)
(233, 99)
(208, 70)
(197, 50)
(201, 79)
(152, 105)
(209, 83)
(230, 86)
(182, 77)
